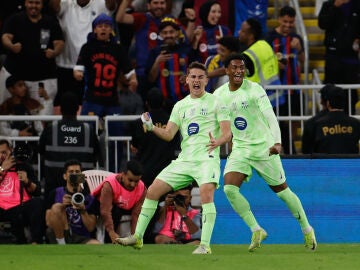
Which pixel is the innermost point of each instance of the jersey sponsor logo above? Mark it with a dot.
(240, 123)
(193, 129)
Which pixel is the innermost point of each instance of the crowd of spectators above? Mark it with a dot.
(113, 57)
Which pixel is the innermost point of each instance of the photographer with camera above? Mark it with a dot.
(177, 222)
(71, 211)
(19, 193)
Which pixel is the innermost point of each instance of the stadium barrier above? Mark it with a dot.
(310, 105)
(328, 189)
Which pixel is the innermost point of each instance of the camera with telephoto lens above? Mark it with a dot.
(22, 152)
(77, 198)
(76, 179)
(179, 200)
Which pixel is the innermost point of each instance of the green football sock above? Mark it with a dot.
(208, 222)
(293, 203)
(147, 212)
(241, 206)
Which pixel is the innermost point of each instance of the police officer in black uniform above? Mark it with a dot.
(335, 132)
(67, 139)
(307, 137)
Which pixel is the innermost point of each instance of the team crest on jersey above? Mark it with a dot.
(203, 111)
(244, 104)
(203, 47)
(193, 129)
(165, 72)
(182, 61)
(153, 36)
(240, 123)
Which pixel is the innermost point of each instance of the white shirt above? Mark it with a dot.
(76, 23)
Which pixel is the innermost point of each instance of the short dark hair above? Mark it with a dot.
(325, 90)
(135, 167)
(255, 28)
(71, 162)
(188, 187)
(7, 142)
(197, 65)
(11, 81)
(234, 56)
(336, 97)
(69, 104)
(231, 43)
(287, 10)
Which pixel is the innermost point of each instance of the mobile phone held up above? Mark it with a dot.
(165, 48)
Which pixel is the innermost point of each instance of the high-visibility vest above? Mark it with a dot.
(266, 68)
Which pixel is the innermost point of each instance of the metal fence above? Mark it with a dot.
(309, 100)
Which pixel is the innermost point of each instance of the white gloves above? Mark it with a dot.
(147, 121)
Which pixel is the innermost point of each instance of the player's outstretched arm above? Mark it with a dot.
(166, 134)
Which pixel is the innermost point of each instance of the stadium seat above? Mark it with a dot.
(94, 178)
(195, 200)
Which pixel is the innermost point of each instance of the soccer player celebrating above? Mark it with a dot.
(203, 121)
(256, 145)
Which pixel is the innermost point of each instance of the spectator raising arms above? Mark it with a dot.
(33, 39)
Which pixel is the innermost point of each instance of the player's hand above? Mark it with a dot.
(16, 47)
(212, 144)
(147, 121)
(275, 149)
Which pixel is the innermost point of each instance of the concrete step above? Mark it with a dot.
(317, 50)
(302, 3)
(311, 22)
(306, 12)
(316, 37)
(316, 64)
(321, 76)
(271, 23)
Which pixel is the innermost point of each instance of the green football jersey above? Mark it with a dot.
(251, 133)
(196, 118)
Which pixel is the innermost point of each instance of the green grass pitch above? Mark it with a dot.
(163, 257)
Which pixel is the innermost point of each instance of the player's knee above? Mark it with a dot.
(231, 191)
(284, 194)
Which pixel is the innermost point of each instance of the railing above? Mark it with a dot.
(113, 118)
(301, 30)
(45, 118)
(309, 99)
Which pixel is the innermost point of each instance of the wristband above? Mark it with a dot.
(147, 123)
